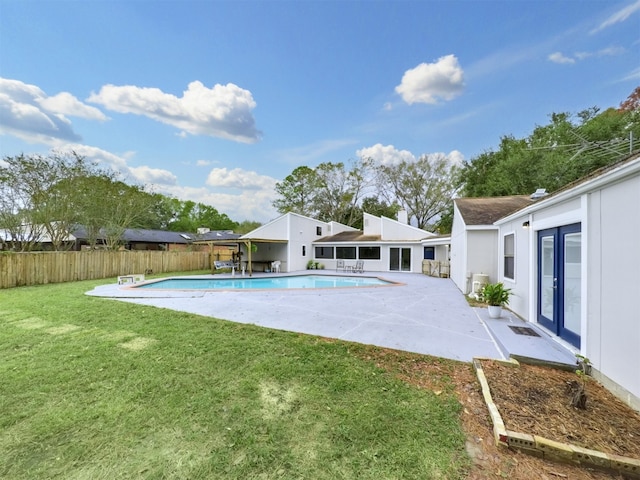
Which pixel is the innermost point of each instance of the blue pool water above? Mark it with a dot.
(293, 282)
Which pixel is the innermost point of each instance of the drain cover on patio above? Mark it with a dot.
(524, 331)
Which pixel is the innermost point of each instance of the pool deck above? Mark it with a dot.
(424, 315)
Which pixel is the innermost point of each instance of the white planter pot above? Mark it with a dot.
(495, 312)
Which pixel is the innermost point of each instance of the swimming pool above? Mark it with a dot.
(265, 283)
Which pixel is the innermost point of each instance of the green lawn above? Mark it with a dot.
(92, 388)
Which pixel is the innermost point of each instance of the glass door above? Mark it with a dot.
(559, 281)
(400, 259)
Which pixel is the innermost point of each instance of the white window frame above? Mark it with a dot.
(512, 255)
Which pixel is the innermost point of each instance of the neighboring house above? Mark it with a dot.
(572, 260)
(144, 239)
(383, 245)
(474, 236)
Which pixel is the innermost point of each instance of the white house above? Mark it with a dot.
(383, 244)
(572, 260)
(474, 236)
(288, 239)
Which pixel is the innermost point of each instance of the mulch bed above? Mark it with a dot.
(537, 400)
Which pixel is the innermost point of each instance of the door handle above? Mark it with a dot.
(555, 283)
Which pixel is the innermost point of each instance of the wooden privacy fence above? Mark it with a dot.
(35, 268)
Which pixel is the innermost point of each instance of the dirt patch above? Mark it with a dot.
(277, 400)
(490, 461)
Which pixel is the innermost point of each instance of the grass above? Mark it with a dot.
(93, 388)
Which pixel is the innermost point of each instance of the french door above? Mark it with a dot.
(559, 281)
(400, 259)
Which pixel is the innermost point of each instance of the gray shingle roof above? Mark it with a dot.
(350, 236)
(486, 210)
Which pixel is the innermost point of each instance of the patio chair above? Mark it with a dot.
(358, 267)
(275, 266)
(220, 264)
(340, 265)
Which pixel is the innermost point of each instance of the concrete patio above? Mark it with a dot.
(423, 315)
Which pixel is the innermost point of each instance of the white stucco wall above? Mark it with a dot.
(458, 251)
(371, 225)
(482, 253)
(613, 286)
(394, 230)
(519, 302)
(302, 231)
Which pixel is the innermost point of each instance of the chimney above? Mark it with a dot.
(402, 217)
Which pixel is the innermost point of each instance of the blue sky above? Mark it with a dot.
(216, 101)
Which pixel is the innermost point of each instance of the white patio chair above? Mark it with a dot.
(340, 265)
(275, 266)
(358, 267)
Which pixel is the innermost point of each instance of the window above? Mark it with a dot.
(347, 253)
(429, 253)
(369, 253)
(509, 256)
(318, 230)
(324, 252)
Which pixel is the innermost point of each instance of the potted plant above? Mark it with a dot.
(496, 296)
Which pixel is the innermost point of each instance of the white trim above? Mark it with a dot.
(567, 218)
(584, 269)
(502, 256)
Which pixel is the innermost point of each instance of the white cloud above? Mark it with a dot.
(203, 163)
(223, 111)
(66, 104)
(603, 52)
(148, 175)
(561, 58)
(455, 157)
(558, 57)
(253, 205)
(430, 82)
(142, 174)
(618, 17)
(634, 75)
(385, 154)
(28, 113)
(239, 178)
(389, 155)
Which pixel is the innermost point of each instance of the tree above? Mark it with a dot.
(247, 226)
(553, 155)
(45, 193)
(189, 216)
(424, 187)
(339, 192)
(297, 192)
(330, 192)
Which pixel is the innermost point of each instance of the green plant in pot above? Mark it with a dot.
(496, 296)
